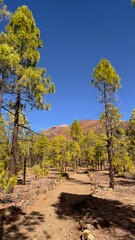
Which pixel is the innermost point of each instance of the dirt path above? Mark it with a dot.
(51, 216)
(82, 200)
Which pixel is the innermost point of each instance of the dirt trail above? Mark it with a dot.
(50, 216)
(58, 214)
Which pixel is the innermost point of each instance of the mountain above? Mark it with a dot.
(64, 129)
(85, 124)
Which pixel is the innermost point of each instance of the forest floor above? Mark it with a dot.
(61, 209)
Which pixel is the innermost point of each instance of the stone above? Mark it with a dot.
(96, 224)
(88, 226)
(87, 235)
(90, 237)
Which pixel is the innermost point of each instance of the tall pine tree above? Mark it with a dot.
(28, 82)
(107, 81)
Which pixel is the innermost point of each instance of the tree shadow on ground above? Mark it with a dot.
(126, 183)
(102, 212)
(17, 225)
(74, 180)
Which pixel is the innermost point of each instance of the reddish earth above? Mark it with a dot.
(86, 125)
(60, 210)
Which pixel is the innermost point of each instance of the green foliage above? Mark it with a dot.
(75, 153)
(76, 131)
(4, 13)
(107, 81)
(130, 133)
(87, 145)
(6, 184)
(105, 74)
(122, 162)
(24, 38)
(59, 155)
(112, 116)
(38, 171)
(132, 172)
(4, 144)
(22, 79)
(42, 148)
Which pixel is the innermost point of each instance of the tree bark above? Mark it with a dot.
(111, 172)
(24, 170)
(13, 162)
(1, 91)
(109, 139)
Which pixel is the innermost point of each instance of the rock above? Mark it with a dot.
(87, 235)
(22, 202)
(88, 226)
(90, 237)
(96, 224)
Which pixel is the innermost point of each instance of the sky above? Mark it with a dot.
(77, 34)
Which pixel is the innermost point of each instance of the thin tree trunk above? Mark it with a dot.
(75, 165)
(111, 172)
(101, 165)
(1, 91)
(98, 165)
(0, 97)
(109, 140)
(24, 170)
(13, 162)
(64, 166)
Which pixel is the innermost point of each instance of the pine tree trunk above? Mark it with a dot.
(111, 173)
(1, 91)
(24, 170)
(13, 162)
(75, 165)
(109, 139)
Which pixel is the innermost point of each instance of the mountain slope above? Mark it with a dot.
(86, 125)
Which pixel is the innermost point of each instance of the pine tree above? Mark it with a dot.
(4, 51)
(130, 132)
(29, 83)
(107, 81)
(59, 155)
(76, 131)
(75, 153)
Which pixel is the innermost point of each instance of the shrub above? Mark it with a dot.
(38, 171)
(7, 184)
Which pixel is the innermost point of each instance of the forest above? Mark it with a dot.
(24, 86)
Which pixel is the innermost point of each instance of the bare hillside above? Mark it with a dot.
(86, 125)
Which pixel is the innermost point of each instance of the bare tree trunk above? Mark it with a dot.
(111, 172)
(109, 140)
(24, 170)
(12, 169)
(1, 91)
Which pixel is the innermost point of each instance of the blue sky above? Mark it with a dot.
(76, 35)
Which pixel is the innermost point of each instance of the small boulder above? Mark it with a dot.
(87, 235)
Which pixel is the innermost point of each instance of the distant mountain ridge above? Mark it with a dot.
(64, 129)
(86, 125)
